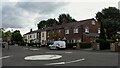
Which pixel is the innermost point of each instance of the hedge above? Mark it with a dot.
(32, 44)
(85, 45)
(70, 45)
(49, 44)
(104, 44)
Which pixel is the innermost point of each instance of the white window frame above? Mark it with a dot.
(93, 22)
(59, 30)
(98, 30)
(75, 30)
(87, 30)
(42, 34)
(67, 31)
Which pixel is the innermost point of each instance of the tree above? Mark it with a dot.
(41, 24)
(47, 23)
(8, 33)
(99, 17)
(17, 37)
(110, 18)
(65, 18)
(51, 21)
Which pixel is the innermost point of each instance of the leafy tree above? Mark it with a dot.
(41, 24)
(110, 18)
(65, 18)
(8, 33)
(51, 21)
(17, 37)
(99, 17)
(48, 23)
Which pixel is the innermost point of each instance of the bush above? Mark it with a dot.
(70, 45)
(85, 45)
(110, 40)
(104, 44)
(49, 44)
(33, 44)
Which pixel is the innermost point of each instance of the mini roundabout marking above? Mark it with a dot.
(43, 57)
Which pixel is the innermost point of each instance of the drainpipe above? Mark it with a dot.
(82, 32)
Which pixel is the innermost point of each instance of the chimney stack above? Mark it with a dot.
(30, 30)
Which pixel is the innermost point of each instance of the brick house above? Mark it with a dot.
(80, 31)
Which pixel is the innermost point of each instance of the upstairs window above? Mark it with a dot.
(59, 31)
(99, 30)
(93, 22)
(42, 34)
(86, 30)
(75, 30)
(67, 31)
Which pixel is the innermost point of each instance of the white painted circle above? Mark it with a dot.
(43, 57)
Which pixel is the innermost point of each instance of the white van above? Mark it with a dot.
(58, 45)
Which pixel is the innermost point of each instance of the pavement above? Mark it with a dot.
(14, 56)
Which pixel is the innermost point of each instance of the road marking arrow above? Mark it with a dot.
(5, 57)
(66, 62)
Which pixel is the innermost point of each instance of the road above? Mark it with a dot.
(16, 54)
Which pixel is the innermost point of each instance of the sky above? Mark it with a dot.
(26, 14)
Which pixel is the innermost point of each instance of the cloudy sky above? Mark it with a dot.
(26, 14)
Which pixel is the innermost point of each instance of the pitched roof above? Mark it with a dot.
(35, 31)
(63, 25)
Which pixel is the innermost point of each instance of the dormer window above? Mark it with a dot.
(93, 22)
(86, 30)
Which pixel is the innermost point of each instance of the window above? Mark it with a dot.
(93, 22)
(74, 41)
(67, 31)
(48, 34)
(30, 36)
(53, 32)
(75, 30)
(99, 30)
(42, 41)
(86, 30)
(42, 34)
(34, 36)
(59, 31)
(79, 40)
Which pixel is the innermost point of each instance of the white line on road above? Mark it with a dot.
(66, 62)
(5, 57)
(58, 52)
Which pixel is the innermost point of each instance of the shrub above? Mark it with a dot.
(110, 40)
(85, 45)
(49, 44)
(104, 44)
(70, 45)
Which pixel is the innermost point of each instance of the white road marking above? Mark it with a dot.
(68, 52)
(34, 49)
(26, 48)
(58, 52)
(43, 57)
(66, 62)
(5, 57)
(76, 60)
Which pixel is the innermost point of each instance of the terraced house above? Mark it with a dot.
(80, 31)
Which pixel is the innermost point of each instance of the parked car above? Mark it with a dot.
(58, 45)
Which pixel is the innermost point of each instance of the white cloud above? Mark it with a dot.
(27, 14)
